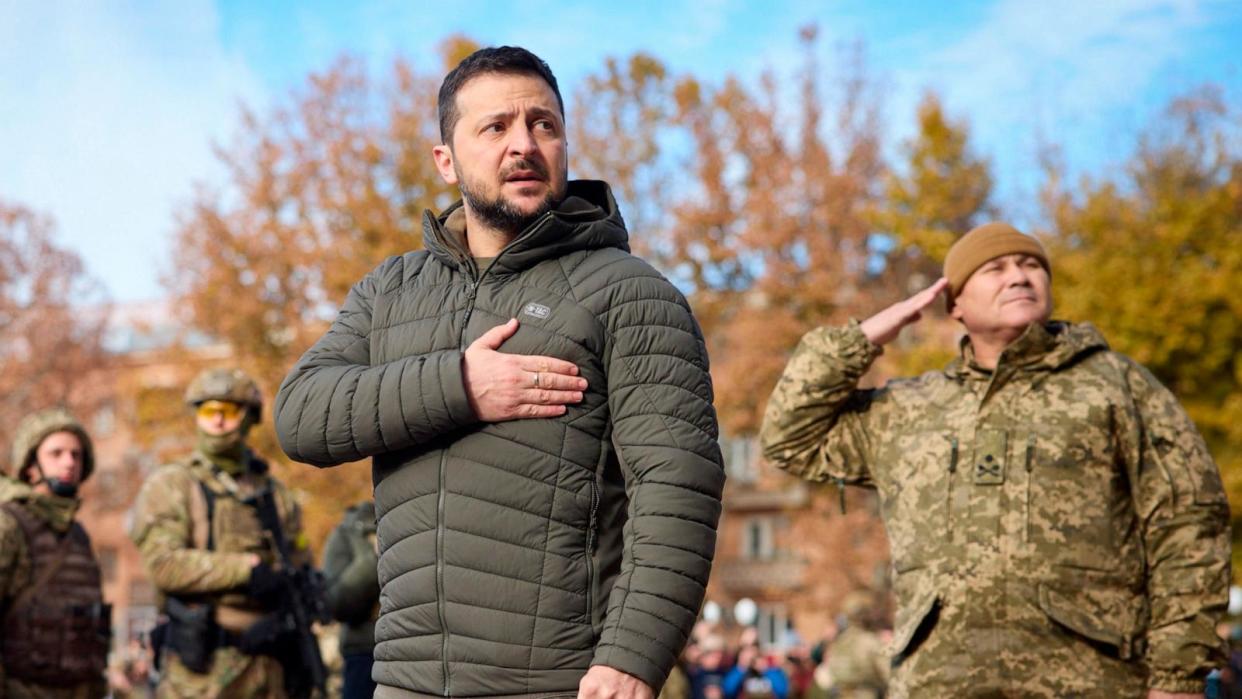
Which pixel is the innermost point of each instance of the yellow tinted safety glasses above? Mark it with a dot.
(213, 409)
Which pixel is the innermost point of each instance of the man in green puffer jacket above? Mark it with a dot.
(352, 587)
(1058, 527)
(538, 408)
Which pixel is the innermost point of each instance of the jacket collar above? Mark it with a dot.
(56, 511)
(586, 219)
(1043, 346)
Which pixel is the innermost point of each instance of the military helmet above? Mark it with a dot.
(857, 606)
(232, 385)
(35, 428)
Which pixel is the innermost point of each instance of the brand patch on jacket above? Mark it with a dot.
(537, 310)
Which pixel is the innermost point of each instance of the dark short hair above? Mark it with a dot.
(494, 59)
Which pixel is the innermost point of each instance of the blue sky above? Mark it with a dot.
(108, 109)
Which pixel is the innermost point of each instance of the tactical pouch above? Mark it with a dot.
(192, 633)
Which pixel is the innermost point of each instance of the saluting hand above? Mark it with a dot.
(505, 386)
(883, 327)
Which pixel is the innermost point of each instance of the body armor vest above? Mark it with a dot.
(56, 630)
(223, 522)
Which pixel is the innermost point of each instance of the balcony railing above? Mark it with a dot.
(743, 576)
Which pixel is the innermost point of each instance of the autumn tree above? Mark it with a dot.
(320, 190)
(53, 317)
(620, 127)
(757, 199)
(1153, 255)
(757, 207)
(940, 190)
(935, 193)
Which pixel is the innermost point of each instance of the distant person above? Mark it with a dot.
(537, 405)
(708, 673)
(858, 662)
(209, 555)
(1057, 525)
(54, 626)
(350, 559)
(755, 676)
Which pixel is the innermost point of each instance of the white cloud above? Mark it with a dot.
(1067, 71)
(108, 114)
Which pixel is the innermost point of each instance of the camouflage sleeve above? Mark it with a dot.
(1182, 504)
(163, 532)
(817, 423)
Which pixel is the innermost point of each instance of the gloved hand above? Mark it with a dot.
(266, 584)
(261, 637)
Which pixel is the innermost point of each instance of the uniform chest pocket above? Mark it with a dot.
(1075, 495)
(237, 527)
(915, 495)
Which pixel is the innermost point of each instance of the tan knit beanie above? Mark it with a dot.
(989, 241)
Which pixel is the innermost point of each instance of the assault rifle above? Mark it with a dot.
(302, 603)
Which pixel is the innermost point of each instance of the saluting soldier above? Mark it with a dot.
(1058, 527)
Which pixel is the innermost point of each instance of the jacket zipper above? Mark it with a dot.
(444, 633)
(1030, 466)
(590, 554)
(948, 489)
(471, 292)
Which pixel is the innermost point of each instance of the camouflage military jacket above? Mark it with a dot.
(1067, 482)
(182, 555)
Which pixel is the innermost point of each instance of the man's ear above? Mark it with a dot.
(30, 473)
(443, 156)
(955, 311)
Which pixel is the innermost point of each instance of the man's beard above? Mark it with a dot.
(499, 213)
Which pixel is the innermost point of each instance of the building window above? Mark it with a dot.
(758, 539)
(107, 563)
(739, 458)
(773, 626)
(105, 421)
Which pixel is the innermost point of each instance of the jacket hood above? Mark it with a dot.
(1048, 346)
(587, 219)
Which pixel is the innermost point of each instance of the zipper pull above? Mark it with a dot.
(841, 493)
(952, 454)
(1030, 452)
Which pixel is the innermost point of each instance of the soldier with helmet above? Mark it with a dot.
(209, 555)
(54, 626)
(858, 660)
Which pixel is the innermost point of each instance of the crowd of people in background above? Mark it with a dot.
(711, 667)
